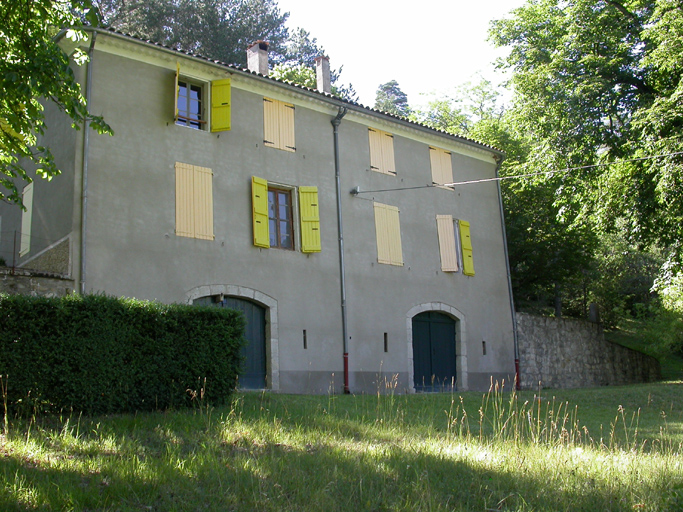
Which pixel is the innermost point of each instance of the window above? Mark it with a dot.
(280, 218)
(388, 232)
(455, 245)
(442, 168)
(381, 151)
(194, 202)
(278, 125)
(273, 213)
(26, 216)
(191, 103)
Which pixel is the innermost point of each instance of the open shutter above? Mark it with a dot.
(388, 165)
(184, 199)
(221, 91)
(203, 203)
(375, 150)
(286, 118)
(175, 103)
(259, 200)
(447, 248)
(310, 219)
(467, 260)
(271, 131)
(26, 217)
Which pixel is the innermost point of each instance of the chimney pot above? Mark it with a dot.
(257, 57)
(322, 74)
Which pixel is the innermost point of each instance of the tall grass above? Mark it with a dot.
(503, 450)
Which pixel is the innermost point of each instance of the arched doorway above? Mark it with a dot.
(253, 375)
(434, 362)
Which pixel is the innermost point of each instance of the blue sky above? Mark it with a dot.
(427, 46)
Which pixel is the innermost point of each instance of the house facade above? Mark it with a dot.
(327, 223)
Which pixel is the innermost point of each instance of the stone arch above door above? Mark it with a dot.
(460, 338)
(268, 302)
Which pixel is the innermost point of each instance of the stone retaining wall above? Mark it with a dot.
(571, 353)
(22, 282)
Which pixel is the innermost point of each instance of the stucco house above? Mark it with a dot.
(328, 223)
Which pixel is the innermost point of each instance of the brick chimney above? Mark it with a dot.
(322, 74)
(257, 57)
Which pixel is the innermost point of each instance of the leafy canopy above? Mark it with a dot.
(34, 69)
(390, 98)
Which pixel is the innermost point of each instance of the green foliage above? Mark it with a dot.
(104, 355)
(390, 98)
(34, 69)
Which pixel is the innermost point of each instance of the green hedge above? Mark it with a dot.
(101, 354)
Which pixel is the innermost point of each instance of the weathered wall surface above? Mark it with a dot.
(571, 353)
(21, 282)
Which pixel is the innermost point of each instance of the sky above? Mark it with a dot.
(430, 46)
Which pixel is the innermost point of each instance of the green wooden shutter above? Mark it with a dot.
(221, 91)
(310, 219)
(259, 200)
(449, 257)
(467, 259)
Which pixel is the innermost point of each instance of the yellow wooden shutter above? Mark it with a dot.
(184, 199)
(220, 105)
(435, 160)
(388, 165)
(271, 131)
(388, 232)
(259, 200)
(466, 242)
(175, 103)
(310, 219)
(449, 257)
(375, 150)
(286, 118)
(442, 167)
(203, 203)
(26, 217)
(446, 167)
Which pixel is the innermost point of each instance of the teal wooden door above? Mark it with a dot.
(434, 352)
(253, 374)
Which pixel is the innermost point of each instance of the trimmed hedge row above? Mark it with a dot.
(99, 354)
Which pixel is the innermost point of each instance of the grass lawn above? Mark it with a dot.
(607, 449)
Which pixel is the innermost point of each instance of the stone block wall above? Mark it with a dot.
(571, 353)
(22, 282)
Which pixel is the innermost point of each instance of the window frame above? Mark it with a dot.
(278, 220)
(200, 122)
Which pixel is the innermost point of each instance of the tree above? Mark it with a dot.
(599, 83)
(390, 98)
(34, 69)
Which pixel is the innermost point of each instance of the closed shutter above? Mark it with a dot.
(388, 233)
(466, 242)
(203, 203)
(259, 200)
(310, 219)
(271, 131)
(26, 217)
(375, 150)
(447, 247)
(184, 199)
(194, 201)
(388, 165)
(221, 92)
(286, 117)
(442, 167)
(446, 167)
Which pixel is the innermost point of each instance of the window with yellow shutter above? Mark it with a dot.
(381, 151)
(278, 125)
(442, 167)
(388, 233)
(196, 103)
(455, 245)
(194, 201)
